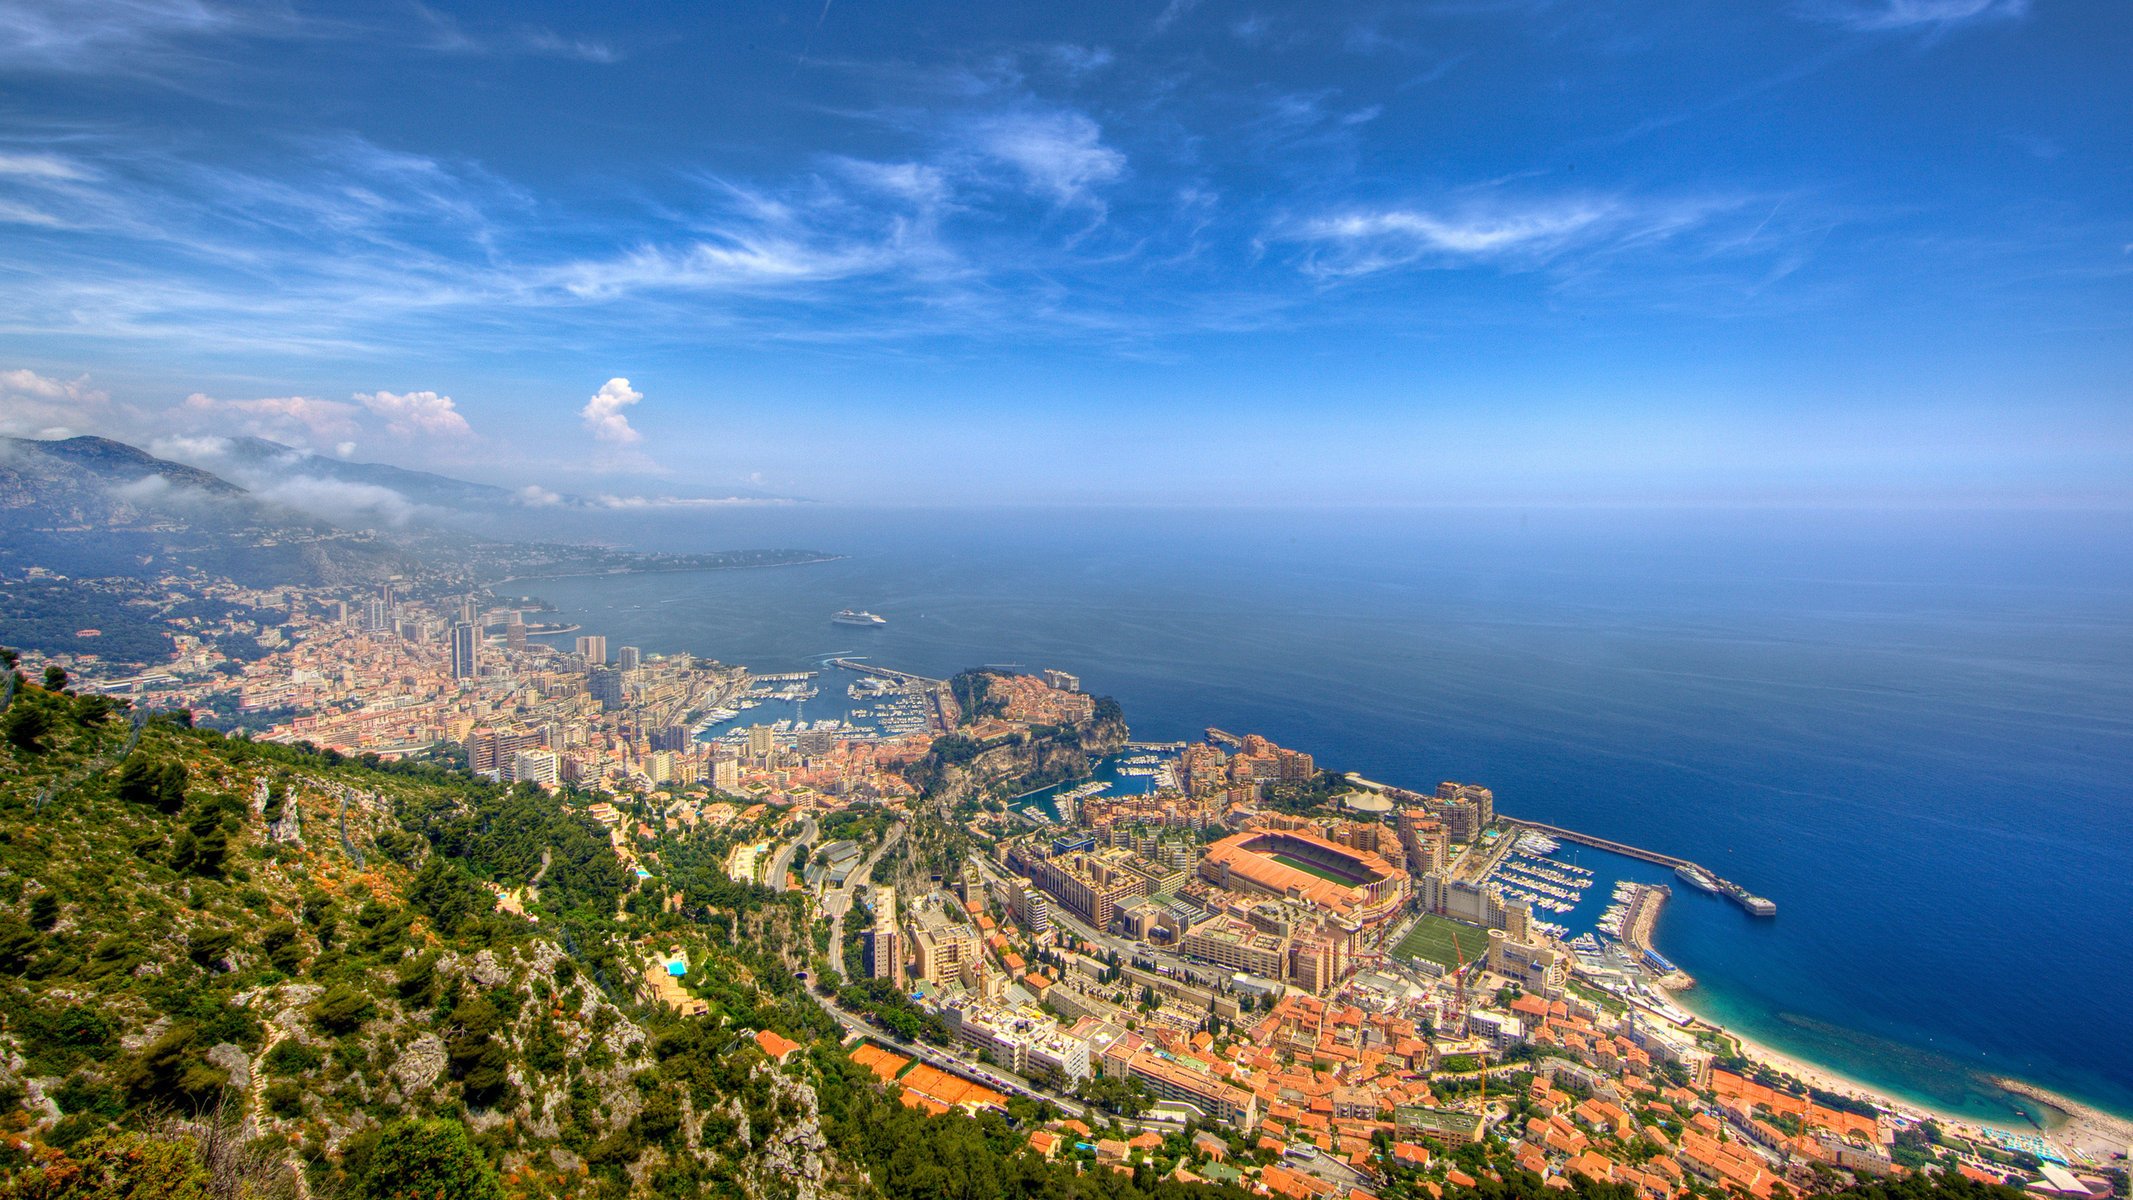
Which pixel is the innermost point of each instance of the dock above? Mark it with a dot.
(853, 664)
(1754, 904)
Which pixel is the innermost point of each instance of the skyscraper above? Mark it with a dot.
(629, 658)
(466, 650)
(606, 687)
(593, 650)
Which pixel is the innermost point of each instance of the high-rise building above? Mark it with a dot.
(466, 650)
(469, 611)
(593, 650)
(515, 634)
(762, 739)
(883, 952)
(492, 752)
(535, 766)
(671, 737)
(1466, 810)
(377, 616)
(605, 685)
(629, 658)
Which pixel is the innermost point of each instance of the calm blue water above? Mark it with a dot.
(1914, 732)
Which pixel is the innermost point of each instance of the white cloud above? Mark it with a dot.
(42, 406)
(411, 413)
(1877, 15)
(1361, 242)
(533, 495)
(340, 500)
(603, 413)
(344, 449)
(282, 415)
(1060, 154)
(39, 167)
(97, 35)
(194, 450)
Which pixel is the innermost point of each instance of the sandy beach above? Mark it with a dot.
(2087, 1135)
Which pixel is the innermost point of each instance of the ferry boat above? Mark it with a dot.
(1697, 877)
(849, 616)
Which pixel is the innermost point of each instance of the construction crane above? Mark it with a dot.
(1460, 991)
(1459, 985)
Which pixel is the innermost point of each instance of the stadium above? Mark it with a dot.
(1359, 885)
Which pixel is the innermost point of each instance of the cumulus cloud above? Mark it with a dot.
(305, 416)
(533, 495)
(42, 406)
(603, 415)
(411, 413)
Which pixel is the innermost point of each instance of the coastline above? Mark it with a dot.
(2088, 1135)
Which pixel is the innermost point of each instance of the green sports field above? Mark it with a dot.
(1431, 938)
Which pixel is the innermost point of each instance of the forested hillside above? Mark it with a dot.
(254, 963)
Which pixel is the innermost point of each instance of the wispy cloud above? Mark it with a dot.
(99, 35)
(449, 35)
(1928, 15)
(1366, 241)
(1060, 154)
(43, 167)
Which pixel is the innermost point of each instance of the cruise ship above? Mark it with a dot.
(857, 617)
(1697, 877)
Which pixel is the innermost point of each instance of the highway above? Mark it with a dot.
(781, 862)
(838, 903)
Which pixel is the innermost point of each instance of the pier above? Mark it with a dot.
(1754, 904)
(1223, 737)
(853, 664)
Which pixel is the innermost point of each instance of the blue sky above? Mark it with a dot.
(1470, 251)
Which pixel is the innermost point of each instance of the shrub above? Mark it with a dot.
(417, 1160)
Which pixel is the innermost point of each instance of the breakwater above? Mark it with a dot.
(1754, 904)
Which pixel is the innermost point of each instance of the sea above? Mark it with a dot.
(1912, 730)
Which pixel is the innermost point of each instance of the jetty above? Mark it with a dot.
(1754, 904)
(853, 664)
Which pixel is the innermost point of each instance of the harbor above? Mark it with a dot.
(1696, 875)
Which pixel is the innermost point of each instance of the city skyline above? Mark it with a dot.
(1821, 253)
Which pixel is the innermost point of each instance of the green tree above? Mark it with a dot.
(428, 1160)
(55, 678)
(26, 725)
